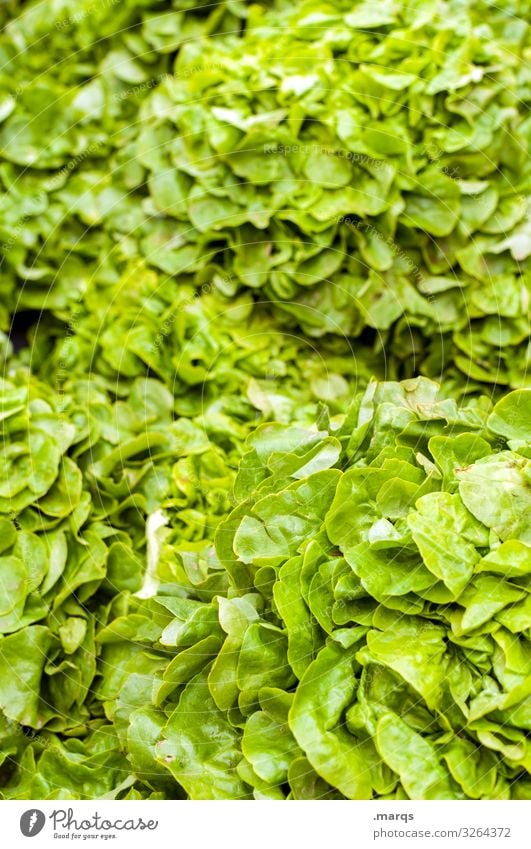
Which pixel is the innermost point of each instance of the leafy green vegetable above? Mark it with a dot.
(352, 172)
(264, 410)
(377, 648)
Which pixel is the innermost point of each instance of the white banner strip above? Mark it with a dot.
(271, 825)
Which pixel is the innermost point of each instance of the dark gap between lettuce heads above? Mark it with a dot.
(22, 322)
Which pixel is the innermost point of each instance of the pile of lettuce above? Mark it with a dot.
(353, 622)
(365, 170)
(265, 412)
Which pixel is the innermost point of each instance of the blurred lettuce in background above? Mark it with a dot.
(365, 172)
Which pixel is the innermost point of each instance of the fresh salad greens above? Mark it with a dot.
(355, 624)
(265, 412)
(366, 171)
